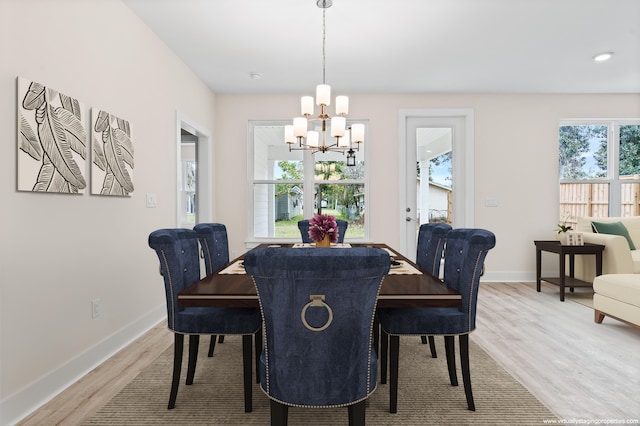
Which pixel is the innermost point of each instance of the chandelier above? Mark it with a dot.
(347, 139)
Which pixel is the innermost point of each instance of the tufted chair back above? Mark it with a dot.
(215, 245)
(431, 241)
(177, 250)
(303, 226)
(318, 309)
(464, 256)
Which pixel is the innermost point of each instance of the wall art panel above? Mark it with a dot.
(52, 140)
(112, 155)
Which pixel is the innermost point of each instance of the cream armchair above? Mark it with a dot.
(617, 257)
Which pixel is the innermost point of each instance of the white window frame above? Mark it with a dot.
(613, 159)
(309, 181)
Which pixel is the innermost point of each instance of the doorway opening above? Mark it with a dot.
(194, 175)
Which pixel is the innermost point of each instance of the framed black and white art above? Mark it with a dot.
(52, 140)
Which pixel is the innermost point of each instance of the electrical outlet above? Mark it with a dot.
(95, 308)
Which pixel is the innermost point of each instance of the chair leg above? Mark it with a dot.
(279, 414)
(357, 413)
(384, 351)
(212, 345)
(258, 351)
(466, 376)
(394, 354)
(432, 346)
(194, 341)
(450, 351)
(221, 338)
(424, 340)
(247, 367)
(178, 346)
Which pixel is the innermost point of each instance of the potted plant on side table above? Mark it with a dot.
(562, 230)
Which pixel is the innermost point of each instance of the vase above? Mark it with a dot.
(325, 242)
(562, 237)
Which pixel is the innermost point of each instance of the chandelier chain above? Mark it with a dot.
(324, 54)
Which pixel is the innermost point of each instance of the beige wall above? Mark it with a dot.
(516, 162)
(61, 251)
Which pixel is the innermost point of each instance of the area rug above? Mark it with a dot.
(425, 396)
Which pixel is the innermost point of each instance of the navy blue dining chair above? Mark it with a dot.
(431, 241)
(318, 307)
(465, 252)
(177, 250)
(303, 226)
(214, 249)
(214, 244)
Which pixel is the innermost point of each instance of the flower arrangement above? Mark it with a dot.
(321, 225)
(563, 227)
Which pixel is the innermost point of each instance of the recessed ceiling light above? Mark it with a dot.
(601, 57)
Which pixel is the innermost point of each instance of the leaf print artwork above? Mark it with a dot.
(112, 166)
(52, 140)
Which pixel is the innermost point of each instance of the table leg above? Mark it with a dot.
(598, 263)
(538, 268)
(562, 272)
(571, 268)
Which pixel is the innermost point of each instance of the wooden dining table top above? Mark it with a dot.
(397, 291)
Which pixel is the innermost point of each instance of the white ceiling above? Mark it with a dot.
(404, 46)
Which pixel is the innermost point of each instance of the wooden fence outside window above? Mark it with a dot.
(592, 199)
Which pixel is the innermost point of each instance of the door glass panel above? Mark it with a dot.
(434, 175)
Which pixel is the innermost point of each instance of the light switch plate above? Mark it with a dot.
(152, 200)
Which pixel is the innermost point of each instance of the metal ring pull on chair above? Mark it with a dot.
(318, 301)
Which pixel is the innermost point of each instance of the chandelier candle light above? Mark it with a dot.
(306, 139)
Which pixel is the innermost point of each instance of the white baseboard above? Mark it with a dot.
(22, 403)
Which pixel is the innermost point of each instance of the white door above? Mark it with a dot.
(437, 171)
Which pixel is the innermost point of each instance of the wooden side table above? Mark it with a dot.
(563, 251)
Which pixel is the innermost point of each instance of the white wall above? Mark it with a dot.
(60, 251)
(516, 162)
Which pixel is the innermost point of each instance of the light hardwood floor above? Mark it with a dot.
(579, 369)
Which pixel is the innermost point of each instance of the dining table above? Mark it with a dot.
(406, 285)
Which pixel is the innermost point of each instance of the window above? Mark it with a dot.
(283, 184)
(599, 169)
